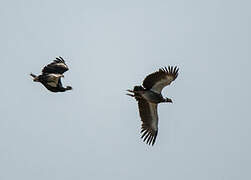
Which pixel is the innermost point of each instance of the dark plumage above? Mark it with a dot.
(51, 76)
(149, 96)
(58, 66)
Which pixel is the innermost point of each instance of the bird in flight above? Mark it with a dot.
(149, 96)
(51, 76)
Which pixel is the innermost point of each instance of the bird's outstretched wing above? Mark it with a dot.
(149, 117)
(158, 80)
(58, 66)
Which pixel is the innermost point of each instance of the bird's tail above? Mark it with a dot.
(136, 94)
(35, 78)
(137, 91)
(33, 75)
(138, 88)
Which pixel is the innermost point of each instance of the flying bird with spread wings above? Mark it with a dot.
(149, 96)
(51, 76)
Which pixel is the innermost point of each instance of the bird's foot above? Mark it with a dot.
(133, 95)
(130, 91)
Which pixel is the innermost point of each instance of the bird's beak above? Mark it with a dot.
(169, 100)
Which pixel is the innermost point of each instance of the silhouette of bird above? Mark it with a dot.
(51, 76)
(149, 96)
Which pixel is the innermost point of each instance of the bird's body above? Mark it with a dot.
(51, 76)
(149, 96)
(152, 97)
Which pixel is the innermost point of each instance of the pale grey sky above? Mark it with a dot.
(92, 132)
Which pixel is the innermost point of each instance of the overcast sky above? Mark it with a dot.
(93, 132)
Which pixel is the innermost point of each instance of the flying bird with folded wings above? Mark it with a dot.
(149, 96)
(51, 76)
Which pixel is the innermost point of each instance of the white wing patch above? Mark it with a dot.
(161, 84)
(52, 84)
(53, 79)
(62, 65)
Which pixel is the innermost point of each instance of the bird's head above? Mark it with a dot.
(168, 100)
(68, 88)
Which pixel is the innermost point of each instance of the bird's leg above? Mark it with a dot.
(135, 96)
(130, 91)
(139, 92)
(132, 95)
